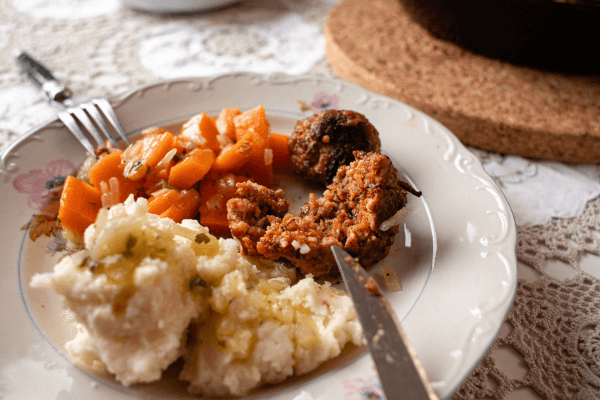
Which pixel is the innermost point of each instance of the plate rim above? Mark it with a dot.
(119, 99)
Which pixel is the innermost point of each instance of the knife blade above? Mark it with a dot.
(400, 371)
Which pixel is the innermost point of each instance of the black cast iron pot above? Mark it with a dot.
(545, 34)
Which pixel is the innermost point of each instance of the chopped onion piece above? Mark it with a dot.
(131, 150)
(230, 181)
(131, 167)
(104, 187)
(394, 220)
(115, 191)
(198, 140)
(268, 156)
(167, 158)
(392, 280)
(159, 192)
(226, 148)
(105, 199)
(224, 140)
(188, 144)
(304, 248)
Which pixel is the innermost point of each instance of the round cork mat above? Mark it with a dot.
(487, 103)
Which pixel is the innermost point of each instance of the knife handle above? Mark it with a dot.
(53, 89)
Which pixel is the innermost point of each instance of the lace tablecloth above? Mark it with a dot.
(549, 347)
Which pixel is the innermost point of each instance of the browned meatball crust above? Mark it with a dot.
(361, 197)
(251, 213)
(322, 143)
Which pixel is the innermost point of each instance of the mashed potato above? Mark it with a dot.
(263, 330)
(147, 290)
(129, 291)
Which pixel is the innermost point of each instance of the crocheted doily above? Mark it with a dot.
(100, 49)
(553, 329)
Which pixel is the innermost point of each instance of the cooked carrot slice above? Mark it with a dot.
(146, 153)
(216, 222)
(281, 151)
(79, 205)
(161, 202)
(110, 166)
(186, 207)
(157, 178)
(261, 172)
(232, 159)
(202, 126)
(254, 122)
(191, 169)
(225, 124)
(216, 190)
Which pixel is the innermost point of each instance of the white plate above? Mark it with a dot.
(179, 6)
(455, 253)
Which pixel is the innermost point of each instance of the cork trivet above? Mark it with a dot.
(487, 103)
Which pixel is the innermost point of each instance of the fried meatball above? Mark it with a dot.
(367, 192)
(251, 213)
(322, 143)
(361, 197)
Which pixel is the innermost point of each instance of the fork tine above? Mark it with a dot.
(71, 125)
(108, 111)
(93, 112)
(83, 113)
(87, 123)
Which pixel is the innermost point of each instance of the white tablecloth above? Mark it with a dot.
(99, 48)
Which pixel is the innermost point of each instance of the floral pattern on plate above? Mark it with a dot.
(43, 188)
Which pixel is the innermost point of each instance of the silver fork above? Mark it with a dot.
(93, 116)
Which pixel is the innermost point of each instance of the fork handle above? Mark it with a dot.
(53, 89)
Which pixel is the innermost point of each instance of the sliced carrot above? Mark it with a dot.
(204, 126)
(107, 167)
(253, 122)
(79, 205)
(281, 151)
(110, 166)
(221, 184)
(157, 178)
(262, 173)
(232, 159)
(186, 207)
(216, 222)
(225, 124)
(161, 202)
(146, 153)
(216, 190)
(191, 169)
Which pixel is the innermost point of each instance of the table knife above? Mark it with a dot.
(400, 372)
